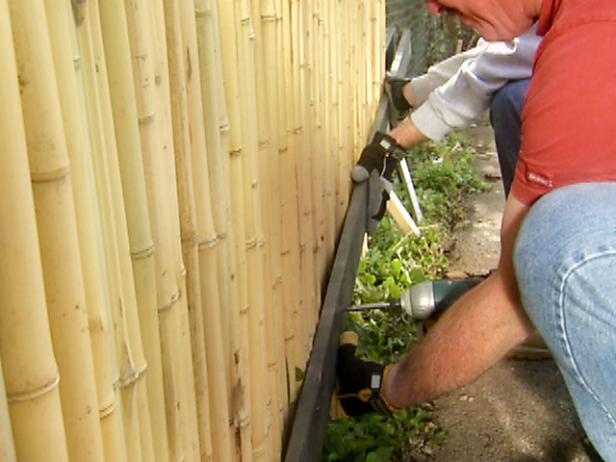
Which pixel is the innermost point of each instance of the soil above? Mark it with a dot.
(518, 411)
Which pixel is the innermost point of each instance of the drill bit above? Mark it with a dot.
(394, 304)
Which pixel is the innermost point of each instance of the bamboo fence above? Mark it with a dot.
(175, 176)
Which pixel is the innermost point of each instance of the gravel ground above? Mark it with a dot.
(518, 411)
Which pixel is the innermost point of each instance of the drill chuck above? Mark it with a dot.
(418, 301)
(426, 299)
(430, 298)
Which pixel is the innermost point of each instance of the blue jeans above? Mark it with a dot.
(565, 261)
(506, 118)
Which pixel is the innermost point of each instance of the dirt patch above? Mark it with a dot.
(518, 411)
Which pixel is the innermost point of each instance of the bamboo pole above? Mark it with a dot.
(167, 18)
(30, 371)
(279, 136)
(117, 250)
(254, 238)
(70, 86)
(7, 447)
(118, 57)
(208, 243)
(227, 14)
(339, 34)
(132, 363)
(302, 127)
(321, 154)
(188, 219)
(216, 133)
(290, 230)
(184, 140)
(58, 241)
(348, 111)
(332, 108)
(149, 61)
(180, 354)
(266, 88)
(205, 24)
(332, 35)
(318, 146)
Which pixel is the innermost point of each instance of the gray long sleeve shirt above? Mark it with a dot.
(456, 91)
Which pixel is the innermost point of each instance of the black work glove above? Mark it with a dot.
(381, 155)
(398, 105)
(359, 382)
(377, 163)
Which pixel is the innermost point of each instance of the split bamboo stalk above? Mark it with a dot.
(337, 149)
(289, 284)
(117, 250)
(379, 38)
(190, 433)
(111, 412)
(314, 148)
(320, 158)
(157, 155)
(7, 447)
(363, 69)
(179, 71)
(332, 108)
(378, 53)
(118, 57)
(242, 150)
(271, 54)
(188, 219)
(343, 109)
(305, 316)
(167, 14)
(70, 85)
(208, 243)
(133, 366)
(30, 370)
(290, 231)
(149, 61)
(216, 132)
(266, 88)
(227, 15)
(211, 117)
(348, 111)
(320, 143)
(254, 238)
(320, 153)
(53, 198)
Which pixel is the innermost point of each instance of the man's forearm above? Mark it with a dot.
(469, 338)
(478, 330)
(407, 135)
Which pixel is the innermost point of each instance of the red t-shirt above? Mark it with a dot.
(569, 118)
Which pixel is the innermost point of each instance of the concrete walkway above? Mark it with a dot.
(518, 411)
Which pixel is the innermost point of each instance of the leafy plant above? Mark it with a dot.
(443, 176)
(377, 439)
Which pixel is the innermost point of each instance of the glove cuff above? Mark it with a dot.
(390, 408)
(389, 145)
(360, 382)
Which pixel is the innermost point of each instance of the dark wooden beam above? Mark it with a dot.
(311, 414)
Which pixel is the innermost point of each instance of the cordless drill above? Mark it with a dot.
(427, 299)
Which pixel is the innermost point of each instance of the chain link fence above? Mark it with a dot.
(433, 39)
